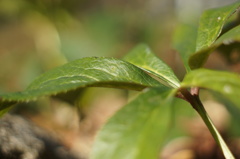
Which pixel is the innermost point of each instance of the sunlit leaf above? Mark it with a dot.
(143, 57)
(225, 83)
(136, 131)
(199, 58)
(184, 41)
(211, 24)
(210, 27)
(100, 72)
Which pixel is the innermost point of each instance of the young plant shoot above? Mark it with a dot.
(139, 129)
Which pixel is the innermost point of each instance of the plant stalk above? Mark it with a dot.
(198, 106)
(216, 135)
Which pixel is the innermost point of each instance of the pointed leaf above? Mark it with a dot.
(184, 41)
(210, 27)
(101, 72)
(142, 57)
(136, 131)
(211, 24)
(225, 83)
(199, 58)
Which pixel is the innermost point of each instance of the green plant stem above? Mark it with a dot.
(198, 106)
(216, 135)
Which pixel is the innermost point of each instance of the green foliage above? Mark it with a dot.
(185, 45)
(138, 130)
(225, 83)
(210, 27)
(85, 72)
(135, 129)
(211, 24)
(199, 58)
(143, 57)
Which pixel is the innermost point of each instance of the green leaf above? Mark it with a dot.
(211, 24)
(229, 37)
(184, 41)
(142, 57)
(199, 58)
(210, 27)
(138, 130)
(100, 72)
(225, 83)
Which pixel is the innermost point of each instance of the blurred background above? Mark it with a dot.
(38, 35)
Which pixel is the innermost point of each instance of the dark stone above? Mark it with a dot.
(21, 139)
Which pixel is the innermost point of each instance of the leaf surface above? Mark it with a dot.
(211, 24)
(184, 41)
(100, 72)
(136, 131)
(210, 27)
(199, 58)
(144, 58)
(225, 83)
